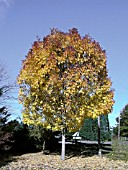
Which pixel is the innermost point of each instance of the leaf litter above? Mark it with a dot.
(40, 161)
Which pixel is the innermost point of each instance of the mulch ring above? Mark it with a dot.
(40, 161)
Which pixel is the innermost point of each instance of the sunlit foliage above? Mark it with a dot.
(63, 80)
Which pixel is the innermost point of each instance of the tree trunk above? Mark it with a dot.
(44, 145)
(119, 129)
(63, 145)
(99, 145)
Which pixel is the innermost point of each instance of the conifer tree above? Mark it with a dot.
(89, 130)
(4, 134)
(123, 122)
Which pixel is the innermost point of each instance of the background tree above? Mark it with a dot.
(105, 128)
(42, 139)
(87, 132)
(5, 88)
(89, 129)
(63, 80)
(5, 134)
(36, 134)
(5, 85)
(123, 122)
(31, 138)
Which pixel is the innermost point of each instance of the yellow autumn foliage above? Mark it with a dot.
(64, 80)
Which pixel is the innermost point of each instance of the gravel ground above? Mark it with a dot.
(39, 161)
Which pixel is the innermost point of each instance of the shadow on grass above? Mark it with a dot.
(6, 157)
(77, 152)
(10, 156)
(71, 150)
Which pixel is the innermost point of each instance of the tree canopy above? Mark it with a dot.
(64, 80)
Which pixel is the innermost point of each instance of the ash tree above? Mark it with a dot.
(64, 80)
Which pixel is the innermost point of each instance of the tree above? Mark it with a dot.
(5, 134)
(31, 138)
(123, 122)
(43, 139)
(105, 128)
(87, 132)
(63, 80)
(89, 129)
(22, 140)
(5, 87)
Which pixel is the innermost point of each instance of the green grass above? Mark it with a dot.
(119, 150)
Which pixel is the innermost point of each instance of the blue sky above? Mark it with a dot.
(21, 21)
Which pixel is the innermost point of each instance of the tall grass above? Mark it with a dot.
(119, 150)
